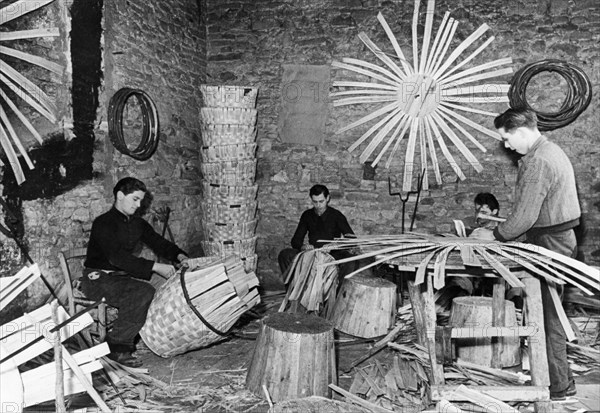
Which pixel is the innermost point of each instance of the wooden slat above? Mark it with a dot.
(29, 34)
(364, 119)
(21, 117)
(365, 72)
(458, 51)
(15, 138)
(396, 136)
(381, 55)
(438, 35)
(12, 157)
(504, 393)
(405, 65)
(470, 123)
(409, 156)
(445, 151)
(466, 152)
(385, 121)
(427, 35)
(415, 34)
(445, 44)
(372, 66)
(20, 8)
(398, 139)
(33, 59)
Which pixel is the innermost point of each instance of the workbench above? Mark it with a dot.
(423, 306)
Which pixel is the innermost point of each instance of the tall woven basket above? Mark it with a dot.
(197, 306)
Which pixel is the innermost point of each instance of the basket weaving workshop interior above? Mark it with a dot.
(293, 206)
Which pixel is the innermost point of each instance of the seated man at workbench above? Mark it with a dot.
(321, 222)
(112, 270)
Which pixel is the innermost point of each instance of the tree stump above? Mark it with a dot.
(477, 312)
(365, 306)
(294, 357)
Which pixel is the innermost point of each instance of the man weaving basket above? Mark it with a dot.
(112, 270)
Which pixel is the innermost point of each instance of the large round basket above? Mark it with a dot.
(196, 308)
(228, 213)
(228, 116)
(230, 172)
(219, 231)
(231, 96)
(228, 194)
(227, 134)
(240, 247)
(220, 153)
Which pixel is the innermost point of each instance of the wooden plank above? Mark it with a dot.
(498, 319)
(564, 321)
(407, 68)
(504, 393)
(467, 59)
(30, 34)
(457, 52)
(434, 47)
(486, 401)
(534, 315)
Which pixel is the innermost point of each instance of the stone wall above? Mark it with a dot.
(158, 47)
(249, 41)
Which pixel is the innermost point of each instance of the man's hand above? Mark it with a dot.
(483, 234)
(164, 270)
(183, 260)
(307, 247)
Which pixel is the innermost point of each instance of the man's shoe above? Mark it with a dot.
(125, 359)
(571, 390)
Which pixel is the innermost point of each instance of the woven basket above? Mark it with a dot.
(220, 153)
(219, 231)
(230, 96)
(240, 247)
(230, 172)
(228, 194)
(250, 263)
(228, 116)
(227, 214)
(227, 134)
(171, 326)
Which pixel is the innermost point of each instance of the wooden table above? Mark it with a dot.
(423, 306)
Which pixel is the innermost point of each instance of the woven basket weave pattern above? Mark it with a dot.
(229, 96)
(227, 134)
(228, 116)
(225, 231)
(220, 153)
(228, 194)
(230, 172)
(228, 214)
(240, 247)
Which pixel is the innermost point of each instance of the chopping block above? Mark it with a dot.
(294, 357)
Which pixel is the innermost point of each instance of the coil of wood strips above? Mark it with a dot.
(197, 306)
(227, 134)
(220, 153)
(230, 96)
(229, 194)
(228, 213)
(228, 116)
(217, 231)
(240, 247)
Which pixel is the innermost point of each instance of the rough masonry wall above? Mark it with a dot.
(158, 47)
(249, 41)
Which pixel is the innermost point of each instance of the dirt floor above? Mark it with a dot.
(213, 379)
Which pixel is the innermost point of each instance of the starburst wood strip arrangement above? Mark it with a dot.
(22, 87)
(424, 94)
(468, 252)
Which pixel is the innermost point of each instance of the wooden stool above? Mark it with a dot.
(294, 357)
(365, 306)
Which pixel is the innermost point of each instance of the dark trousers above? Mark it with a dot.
(556, 339)
(131, 296)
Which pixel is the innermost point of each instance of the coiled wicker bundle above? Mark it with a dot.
(229, 194)
(230, 172)
(231, 96)
(227, 134)
(228, 213)
(228, 116)
(240, 247)
(218, 231)
(197, 306)
(220, 153)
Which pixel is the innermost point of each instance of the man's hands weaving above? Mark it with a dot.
(164, 270)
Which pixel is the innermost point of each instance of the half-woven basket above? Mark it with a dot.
(230, 96)
(197, 306)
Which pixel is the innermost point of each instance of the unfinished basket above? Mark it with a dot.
(220, 153)
(228, 116)
(230, 96)
(240, 247)
(230, 172)
(227, 134)
(228, 194)
(228, 213)
(197, 306)
(218, 231)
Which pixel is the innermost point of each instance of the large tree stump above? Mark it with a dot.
(294, 357)
(365, 306)
(477, 312)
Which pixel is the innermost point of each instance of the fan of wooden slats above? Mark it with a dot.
(437, 252)
(423, 99)
(21, 86)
